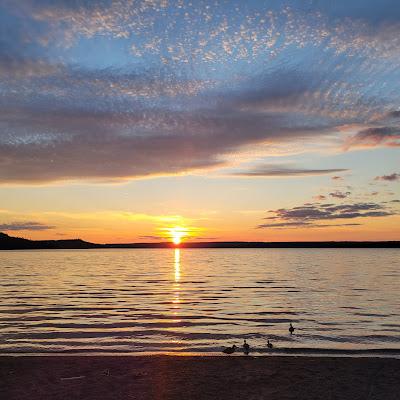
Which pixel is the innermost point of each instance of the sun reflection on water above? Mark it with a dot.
(176, 285)
(177, 265)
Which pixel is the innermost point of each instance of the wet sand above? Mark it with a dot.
(174, 377)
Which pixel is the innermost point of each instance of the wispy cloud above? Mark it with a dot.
(151, 237)
(294, 225)
(389, 178)
(372, 137)
(311, 214)
(282, 171)
(25, 226)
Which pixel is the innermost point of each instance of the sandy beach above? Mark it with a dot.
(174, 377)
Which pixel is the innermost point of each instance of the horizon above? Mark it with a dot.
(183, 244)
(216, 121)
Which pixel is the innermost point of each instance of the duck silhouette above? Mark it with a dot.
(246, 348)
(229, 350)
(291, 329)
(269, 344)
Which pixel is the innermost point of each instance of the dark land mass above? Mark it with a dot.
(14, 243)
(198, 378)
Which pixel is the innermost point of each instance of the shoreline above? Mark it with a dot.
(16, 243)
(289, 352)
(188, 377)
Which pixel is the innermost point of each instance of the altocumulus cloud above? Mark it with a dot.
(311, 214)
(166, 110)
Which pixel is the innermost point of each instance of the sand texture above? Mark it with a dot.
(172, 377)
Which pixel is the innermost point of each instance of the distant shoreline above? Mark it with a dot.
(13, 243)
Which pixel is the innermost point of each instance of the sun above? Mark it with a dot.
(177, 233)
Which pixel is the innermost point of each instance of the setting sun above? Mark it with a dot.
(177, 233)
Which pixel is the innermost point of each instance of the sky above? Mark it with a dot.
(126, 121)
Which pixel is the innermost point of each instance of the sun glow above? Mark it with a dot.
(177, 233)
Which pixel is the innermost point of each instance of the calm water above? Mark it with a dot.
(197, 300)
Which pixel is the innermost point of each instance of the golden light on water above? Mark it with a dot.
(176, 286)
(177, 265)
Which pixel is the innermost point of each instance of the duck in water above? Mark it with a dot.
(269, 344)
(229, 350)
(246, 348)
(291, 329)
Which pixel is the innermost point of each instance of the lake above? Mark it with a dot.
(198, 300)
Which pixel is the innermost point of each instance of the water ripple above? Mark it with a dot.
(198, 300)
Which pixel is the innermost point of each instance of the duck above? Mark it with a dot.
(291, 329)
(269, 344)
(246, 348)
(229, 350)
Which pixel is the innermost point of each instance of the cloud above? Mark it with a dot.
(186, 85)
(151, 237)
(282, 170)
(337, 178)
(389, 178)
(25, 226)
(311, 214)
(69, 135)
(25, 68)
(251, 30)
(53, 145)
(393, 114)
(372, 137)
(340, 195)
(294, 225)
(205, 238)
(320, 197)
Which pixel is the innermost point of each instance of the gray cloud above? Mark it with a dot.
(389, 178)
(298, 224)
(310, 214)
(25, 226)
(371, 137)
(151, 237)
(340, 195)
(294, 225)
(62, 145)
(70, 134)
(281, 170)
(393, 114)
(111, 124)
